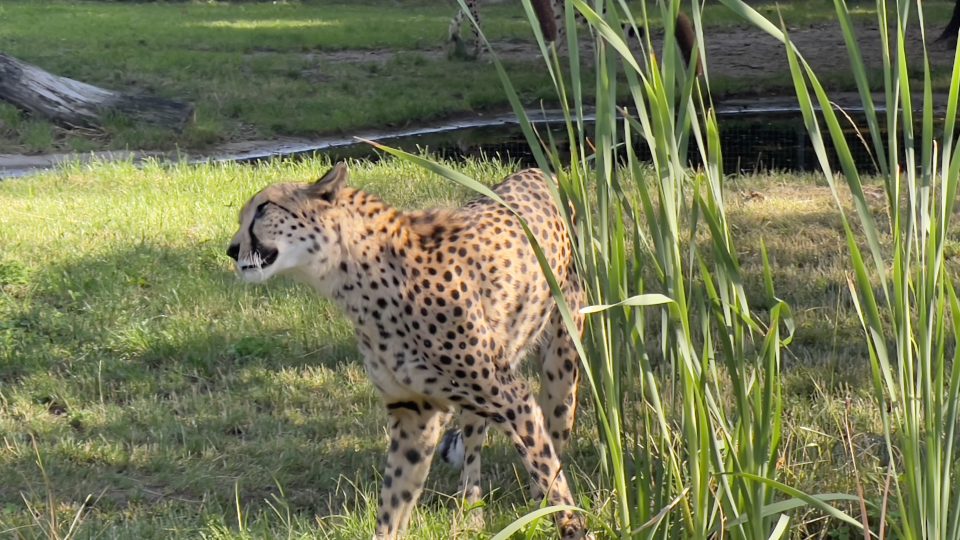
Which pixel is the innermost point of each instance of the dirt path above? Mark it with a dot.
(747, 52)
(732, 52)
(744, 52)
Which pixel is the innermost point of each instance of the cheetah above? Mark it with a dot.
(550, 16)
(548, 13)
(445, 304)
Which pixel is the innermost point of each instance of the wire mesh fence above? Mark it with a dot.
(750, 142)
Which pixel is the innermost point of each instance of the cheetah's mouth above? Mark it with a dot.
(261, 258)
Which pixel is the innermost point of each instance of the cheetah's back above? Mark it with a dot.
(515, 294)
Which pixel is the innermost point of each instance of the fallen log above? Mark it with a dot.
(73, 103)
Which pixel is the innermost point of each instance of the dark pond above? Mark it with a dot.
(751, 140)
(754, 137)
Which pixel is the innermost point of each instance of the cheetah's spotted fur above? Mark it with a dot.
(549, 14)
(445, 304)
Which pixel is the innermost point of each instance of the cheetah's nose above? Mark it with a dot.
(233, 251)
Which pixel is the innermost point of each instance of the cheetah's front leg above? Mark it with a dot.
(460, 448)
(474, 430)
(414, 429)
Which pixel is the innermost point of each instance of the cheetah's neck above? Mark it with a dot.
(380, 243)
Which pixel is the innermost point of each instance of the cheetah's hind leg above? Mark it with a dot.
(458, 50)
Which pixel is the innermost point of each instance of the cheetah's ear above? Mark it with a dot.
(327, 187)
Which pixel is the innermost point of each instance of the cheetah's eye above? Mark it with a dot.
(258, 213)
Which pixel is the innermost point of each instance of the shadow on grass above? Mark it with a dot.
(149, 377)
(148, 374)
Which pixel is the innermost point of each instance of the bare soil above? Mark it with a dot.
(732, 52)
(741, 52)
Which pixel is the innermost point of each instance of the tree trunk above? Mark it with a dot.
(74, 103)
(950, 32)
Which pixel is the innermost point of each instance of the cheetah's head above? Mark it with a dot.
(290, 228)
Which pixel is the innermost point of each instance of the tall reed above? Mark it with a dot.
(688, 403)
(683, 373)
(904, 292)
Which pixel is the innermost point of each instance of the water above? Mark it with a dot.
(753, 137)
(750, 142)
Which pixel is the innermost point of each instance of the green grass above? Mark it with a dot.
(257, 70)
(151, 379)
(140, 372)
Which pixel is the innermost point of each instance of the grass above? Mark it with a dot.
(916, 397)
(138, 372)
(688, 428)
(258, 70)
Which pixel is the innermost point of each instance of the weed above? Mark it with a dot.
(37, 135)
